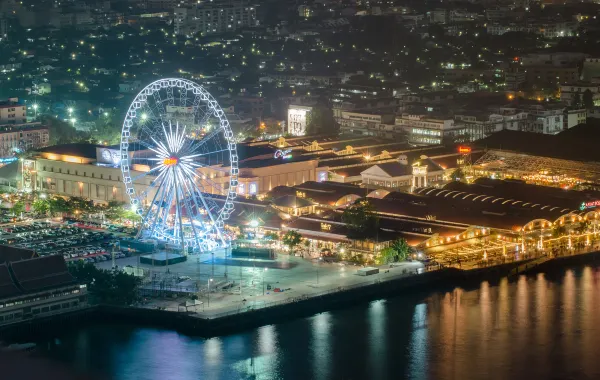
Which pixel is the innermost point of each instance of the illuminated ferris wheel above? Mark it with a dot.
(172, 130)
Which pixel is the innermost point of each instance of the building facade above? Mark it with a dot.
(212, 18)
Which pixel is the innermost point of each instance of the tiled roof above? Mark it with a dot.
(41, 273)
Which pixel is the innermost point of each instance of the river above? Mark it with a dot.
(545, 326)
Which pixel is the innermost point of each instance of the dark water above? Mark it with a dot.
(541, 327)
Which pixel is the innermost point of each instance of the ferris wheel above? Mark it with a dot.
(175, 137)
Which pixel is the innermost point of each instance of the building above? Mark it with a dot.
(425, 129)
(298, 118)
(546, 30)
(82, 170)
(33, 287)
(18, 138)
(399, 175)
(570, 92)
(574, 117)
(214, 17)
(368, 124)
(12, 112)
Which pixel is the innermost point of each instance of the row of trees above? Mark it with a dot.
(112, 287)
(114, 210)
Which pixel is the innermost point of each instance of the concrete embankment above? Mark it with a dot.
(441, 280)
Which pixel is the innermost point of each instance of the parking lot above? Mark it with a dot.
(74, 241)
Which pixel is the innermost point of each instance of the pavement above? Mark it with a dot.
(297, 277)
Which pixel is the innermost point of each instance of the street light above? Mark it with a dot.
(35, 108)
(263, 280)
(209, 281)
(70, 110)
(318, 265)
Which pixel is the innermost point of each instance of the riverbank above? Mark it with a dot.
(192, 324)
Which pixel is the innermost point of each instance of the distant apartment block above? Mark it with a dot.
(214, 17)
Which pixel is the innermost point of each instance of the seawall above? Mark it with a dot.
(189, 324)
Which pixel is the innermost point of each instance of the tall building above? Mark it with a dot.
(214, 17)
(11, 112)
(17, 138)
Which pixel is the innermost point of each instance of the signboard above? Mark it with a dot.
(281, 154)
(28, 173)
(108, 156)
(297, 120)
(464, 149)
(591, 204)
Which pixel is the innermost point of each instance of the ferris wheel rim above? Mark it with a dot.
(200, 95)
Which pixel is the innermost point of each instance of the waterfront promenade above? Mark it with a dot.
(299, 279)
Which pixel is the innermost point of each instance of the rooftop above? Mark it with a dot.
(575, 144)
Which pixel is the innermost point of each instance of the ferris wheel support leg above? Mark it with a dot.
(178, 210)
(187, 206)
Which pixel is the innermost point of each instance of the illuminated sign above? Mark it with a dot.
(297, 120)
(170, 161)
(283, 154)
(464, 149)
(325, 226)
(8, 160)
(592, 204)
(419, 170)
(322, 177)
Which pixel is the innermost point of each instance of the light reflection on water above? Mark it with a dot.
(539, 327)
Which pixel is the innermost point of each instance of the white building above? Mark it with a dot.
(570, 91)
(11, 112)
(84, 170)
(217, 17)
(401, 175)
(369, 124)
(298, 118)
(426, 129)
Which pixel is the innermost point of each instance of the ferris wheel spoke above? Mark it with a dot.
(144, 174)
(189, 209)
(210, 214)
(207, 138)
(162, 189)
(159, 105)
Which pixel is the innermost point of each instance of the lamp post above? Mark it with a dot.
(263, 280)
(35, 108)
(318, 265)
(209, 281)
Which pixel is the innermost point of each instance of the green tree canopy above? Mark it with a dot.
(18, 208)
(41, 206)
(361, 220)
(291, 239)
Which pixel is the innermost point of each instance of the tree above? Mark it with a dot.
(41, 206)
(386, 256)
(58, 205)
(271, 236)
(588, 99)
(399, 250)
(321, 121)
(361, 220)
(114, 210)
(18, 208)
(291, 239)
(107, 286)
(457, 175)
(402, 249)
